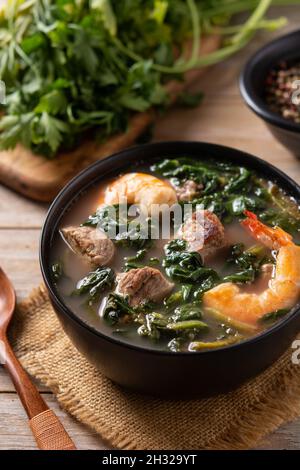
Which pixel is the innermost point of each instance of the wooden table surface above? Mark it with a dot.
(222, 118)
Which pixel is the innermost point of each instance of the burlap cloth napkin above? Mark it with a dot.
(237, 420)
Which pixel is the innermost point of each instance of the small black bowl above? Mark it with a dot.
(141, 368)
(252, 85)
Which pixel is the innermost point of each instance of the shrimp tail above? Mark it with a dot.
(273, 238)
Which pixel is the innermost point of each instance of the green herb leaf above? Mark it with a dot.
(116, 307)
(104, 56)
(57, 270)
(121, 228)
(185, 266)
(274, 316)
(95, 282)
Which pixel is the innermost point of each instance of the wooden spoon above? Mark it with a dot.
(48, 431)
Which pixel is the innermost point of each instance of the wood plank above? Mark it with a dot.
(19, 258)
(15, 432)
(17, 212)
(216, 121)
(6, 385)
(286, 437)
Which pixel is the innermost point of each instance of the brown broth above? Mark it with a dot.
(75, 269)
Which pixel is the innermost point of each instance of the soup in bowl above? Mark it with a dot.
(175, 267)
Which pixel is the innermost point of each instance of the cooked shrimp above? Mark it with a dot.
(141, 189)
(283, 290)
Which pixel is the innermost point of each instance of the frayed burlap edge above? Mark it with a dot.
(262, 418)
(248, 430)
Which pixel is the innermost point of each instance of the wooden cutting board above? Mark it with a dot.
(41, 179)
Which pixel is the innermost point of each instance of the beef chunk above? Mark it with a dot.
(188, 190)
(144, 284)
(203, 232)
(91, 244)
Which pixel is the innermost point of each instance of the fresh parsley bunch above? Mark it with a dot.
(73, 67)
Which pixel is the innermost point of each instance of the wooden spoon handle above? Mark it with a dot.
(46, 427)
(49, 433)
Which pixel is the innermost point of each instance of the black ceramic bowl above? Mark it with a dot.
(159, 372)
(252, 84)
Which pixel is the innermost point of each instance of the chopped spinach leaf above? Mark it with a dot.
(273, 316)
(116, 307)
(184, 312)
(284, 220)
(227, 190)
(185, 266)
(248, 261)
(95, 282)
(57, 270)
(132, 262)
(153, 324)
(121, 227)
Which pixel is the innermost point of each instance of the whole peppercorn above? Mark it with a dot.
(281, 86)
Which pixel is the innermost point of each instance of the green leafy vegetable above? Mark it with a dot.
(185, 266)
(57, 270)
(116, 307)
(156, 324)
(182, 320)
(153, 261)
(123, 229)
(211, 281)
(227, 191)
(107, 218)
(239, 181)
(201, 345)
(241, 277)
(95, 282)
(248, 261)
(284, 220)
(273, 316)
(75, 66)
(231, 322)
(153, 325)
(187, 325)
(137, 236)
(181, 295)
(175, 345)
(132, 262)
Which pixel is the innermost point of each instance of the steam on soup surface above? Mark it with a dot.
(228, 269)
